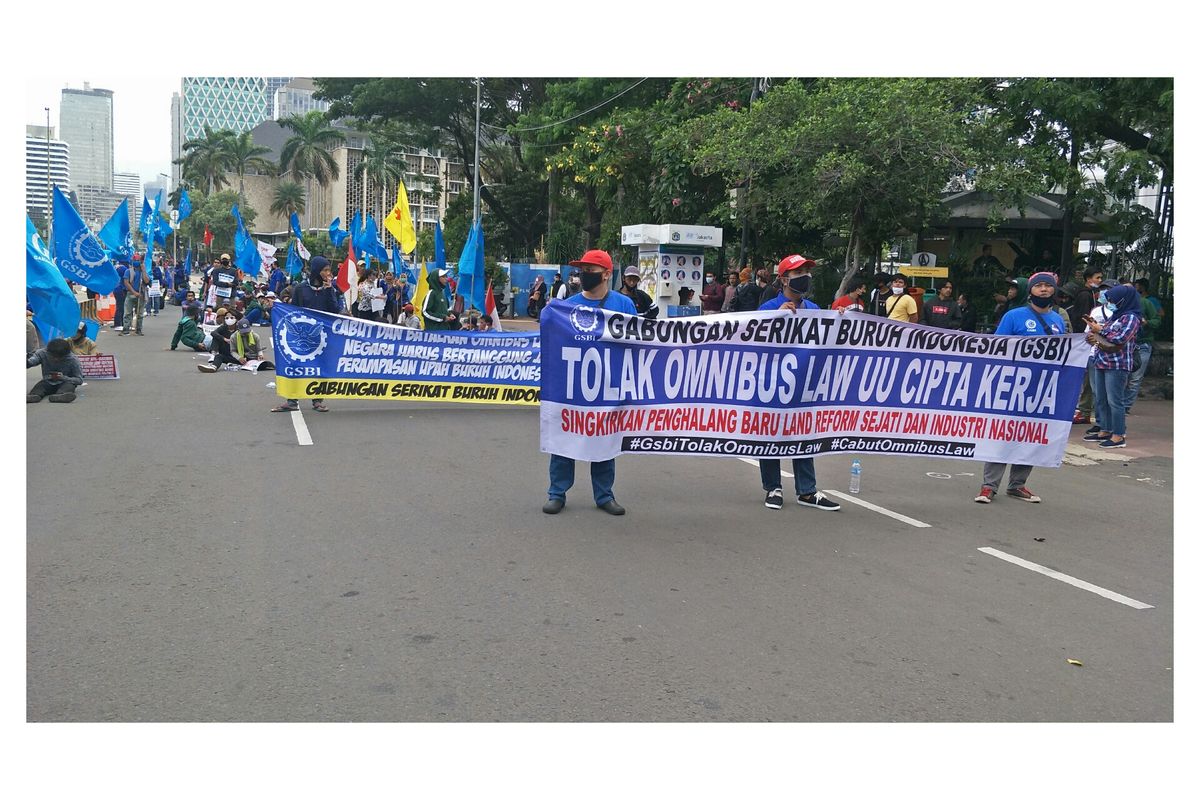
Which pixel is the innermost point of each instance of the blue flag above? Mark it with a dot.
(81, 257)
(472, 280)
(400, 266)
(185, 206)
(115, 235)
(439, 246)
(356, 234)
(296, 226)
(187, 262)
(55, 309)
(293, 265)
(162, 231)
(146, 219)
(336, 234)
(92, 328)
(373, 245)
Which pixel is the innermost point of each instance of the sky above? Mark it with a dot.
(141, 114)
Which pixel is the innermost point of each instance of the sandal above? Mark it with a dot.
(319, 406)
(285, 407)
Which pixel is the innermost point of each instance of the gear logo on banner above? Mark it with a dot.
(584, 319)
(302, 338)
(85, 250)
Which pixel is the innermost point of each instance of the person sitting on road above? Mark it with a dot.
(61, 373)
(188, 331)
(260, 312)
(81, 345)
(221, 338)
(245, 346)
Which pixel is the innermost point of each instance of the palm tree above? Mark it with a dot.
(289, 199)
(306, 154)
(244, 154)
(206, 159)
(382, 162)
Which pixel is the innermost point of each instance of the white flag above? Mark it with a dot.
(267, 251)
(302, 250)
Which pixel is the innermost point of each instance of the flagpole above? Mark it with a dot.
(478, 83)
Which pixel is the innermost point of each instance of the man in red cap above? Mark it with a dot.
(795, 276)
(595, 275)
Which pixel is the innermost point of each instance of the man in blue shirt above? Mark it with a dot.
(595, 278)
(1035, 318)
(795, 277)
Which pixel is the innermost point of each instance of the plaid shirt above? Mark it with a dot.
(1121, 330)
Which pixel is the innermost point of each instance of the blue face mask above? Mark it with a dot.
(1110, 308)
(1103, 298)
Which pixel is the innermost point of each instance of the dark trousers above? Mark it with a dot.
(46, 389)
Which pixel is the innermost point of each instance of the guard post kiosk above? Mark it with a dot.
(670, 257)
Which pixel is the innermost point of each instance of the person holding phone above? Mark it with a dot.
(61, 373)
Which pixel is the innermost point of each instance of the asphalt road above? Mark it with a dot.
(208, 568)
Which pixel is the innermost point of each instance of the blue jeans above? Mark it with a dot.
(1135, 377)
(562, 478)
(1110, 400)
(804, 469)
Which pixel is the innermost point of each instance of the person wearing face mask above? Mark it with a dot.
(221, 338)
(319, 294)
(900, 306)
(1086, 298)
(641, 300)
(712, 296)
(571, 287)
(795, 278)
(942, 311)
(595, 273)
(852, 299)
(1115, 342)
(1034, 318)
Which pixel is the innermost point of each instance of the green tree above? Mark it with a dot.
(206, 158)
(216, 211)
(306, 154)
(245, 155)
(382, 164)
(289, 199)
(866, 157)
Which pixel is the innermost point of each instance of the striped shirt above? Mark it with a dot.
(1121, 330)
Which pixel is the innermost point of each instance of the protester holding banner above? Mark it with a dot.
(942, 311)
(81, 345)
(900, 306)
(795, 280)
(852, 299)
(595, 274)
(318, 294)
(1035, 318)
(1116, 342)
(61, 373)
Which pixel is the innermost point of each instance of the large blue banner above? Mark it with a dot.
(785, 385)
(325, 355)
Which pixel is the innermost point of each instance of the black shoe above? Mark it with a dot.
(553, 506)
(1091, 430)
(774, 499)
(33, 398)
(612, 508)
(68, 397)
(818, 501)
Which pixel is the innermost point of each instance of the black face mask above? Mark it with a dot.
(1041, 302)
(590, 280)
(800, 284)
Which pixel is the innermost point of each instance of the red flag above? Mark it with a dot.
(347, 277)
(208, 237)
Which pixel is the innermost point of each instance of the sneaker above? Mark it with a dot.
(817, 500)
(1024, 494)
(1093, 429)
(775, 499)
(209, 367)
(986, 493)
(1110, 444)
(1096, 437)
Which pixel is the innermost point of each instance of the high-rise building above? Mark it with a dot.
(129, 184)
(38, 159)
(86, 124)
(161, 186)
(296, 98)
(235, 104)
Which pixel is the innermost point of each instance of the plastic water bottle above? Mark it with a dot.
(855, 476)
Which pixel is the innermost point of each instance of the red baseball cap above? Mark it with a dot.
(794, 262)
(595, 258)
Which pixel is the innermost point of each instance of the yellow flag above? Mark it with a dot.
(419, 295)
(399, 223)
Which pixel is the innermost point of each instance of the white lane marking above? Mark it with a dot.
(916, 523)
(1058, 576)
(301, 428)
